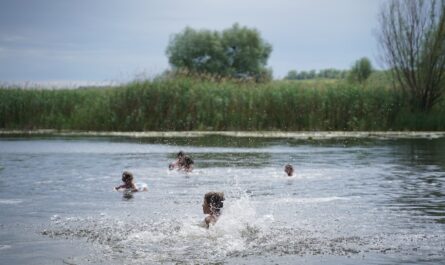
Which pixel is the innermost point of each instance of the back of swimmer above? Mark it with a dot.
(212, 206)
(128, 184)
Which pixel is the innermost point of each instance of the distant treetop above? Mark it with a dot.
(238, 52)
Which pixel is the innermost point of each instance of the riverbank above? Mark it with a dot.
(315, 135)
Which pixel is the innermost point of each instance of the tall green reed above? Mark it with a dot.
(190, 103)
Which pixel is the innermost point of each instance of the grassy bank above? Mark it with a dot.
(192, 104)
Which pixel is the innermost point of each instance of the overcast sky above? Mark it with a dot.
(117, 40)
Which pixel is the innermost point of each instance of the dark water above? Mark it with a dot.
(351, 201)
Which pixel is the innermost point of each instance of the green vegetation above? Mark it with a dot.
(190, 103)
(220, 81)
(329, 73)
(361, 70)
(237, 52)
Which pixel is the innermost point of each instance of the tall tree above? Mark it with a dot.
(412, 40)
(237, 52)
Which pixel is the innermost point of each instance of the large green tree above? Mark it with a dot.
(236, 52)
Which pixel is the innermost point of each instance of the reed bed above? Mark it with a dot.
(187, 103)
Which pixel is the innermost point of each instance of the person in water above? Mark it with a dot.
(213, 203)
(178, 162)
(182, 162)
(127, 178)
(289, 169)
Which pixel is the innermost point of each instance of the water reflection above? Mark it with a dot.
(250, 160)
(418, 179)
(205, 141)
(127, 195)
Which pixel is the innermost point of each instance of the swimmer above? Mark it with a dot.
(289, 169)
(178, 162)
(187, 165)
(213, 203)
(183, 162)
(127, 178)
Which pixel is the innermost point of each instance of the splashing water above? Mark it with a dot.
(379, 201)
(169, 240)
(239, 232)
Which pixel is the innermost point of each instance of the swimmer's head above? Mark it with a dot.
(188, 161)
(127, 176)
(289, 169)
(213, 203)
(180, 154)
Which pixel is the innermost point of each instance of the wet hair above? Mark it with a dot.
(180, 154)
(215, 201)
(188, 161)
(289, 169)
(127, 175)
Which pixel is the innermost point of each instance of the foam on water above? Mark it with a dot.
(261, 134)
(239, 232)
(309, 200)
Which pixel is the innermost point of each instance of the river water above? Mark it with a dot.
(351, 201)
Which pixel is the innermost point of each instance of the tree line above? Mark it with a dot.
(411, 35)
(329, 73)
(359, 72)
(220, 81)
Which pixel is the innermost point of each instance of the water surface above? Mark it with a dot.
(366, 201)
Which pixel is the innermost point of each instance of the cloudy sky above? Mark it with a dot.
(117, 40)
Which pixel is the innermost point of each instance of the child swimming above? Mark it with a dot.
(178, 162)
(182, 162)
(127, 178)
(289, 169)
(213, 203)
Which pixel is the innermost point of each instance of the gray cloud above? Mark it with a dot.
(111, 39)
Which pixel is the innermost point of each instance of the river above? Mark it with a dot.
(366, 201)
